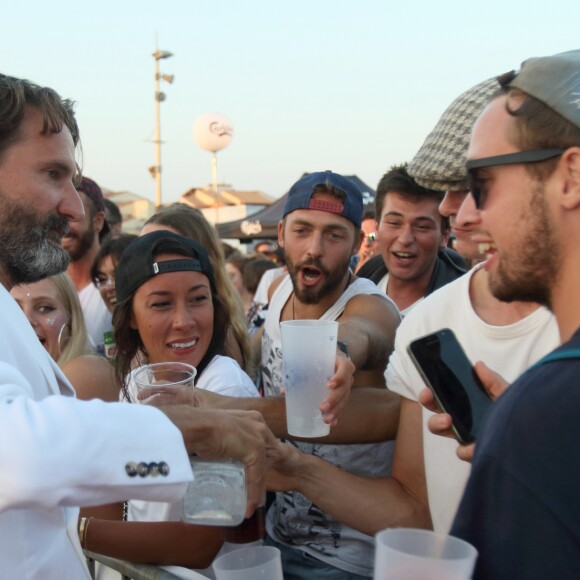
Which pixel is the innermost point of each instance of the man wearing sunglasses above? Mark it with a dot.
(521, 508)
(414, 260)
(510, 337)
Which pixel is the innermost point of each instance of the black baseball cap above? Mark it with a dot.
(138, 262)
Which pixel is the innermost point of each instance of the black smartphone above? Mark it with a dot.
(446, 370)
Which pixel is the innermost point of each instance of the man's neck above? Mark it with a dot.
(79, 271)
(405, 293)
(564, 296)
(491, 310)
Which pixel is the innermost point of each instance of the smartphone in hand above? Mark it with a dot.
(446, 370)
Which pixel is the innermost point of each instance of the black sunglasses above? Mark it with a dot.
(477, 183)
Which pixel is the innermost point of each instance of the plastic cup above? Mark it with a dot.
(250, 564)
(165, 383)
(409, 554)
(217, 496)
(309, 357)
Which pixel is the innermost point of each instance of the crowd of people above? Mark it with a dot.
(476, 233)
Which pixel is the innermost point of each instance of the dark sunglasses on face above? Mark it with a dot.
(477, 183)
(371, 237)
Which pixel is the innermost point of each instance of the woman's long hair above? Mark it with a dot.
(73, 338)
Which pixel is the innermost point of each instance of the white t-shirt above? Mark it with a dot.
(384, 282)
(98, 319)
(294, 520)
(508, 350)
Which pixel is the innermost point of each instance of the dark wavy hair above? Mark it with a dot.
(18, 94)
(113, 247)
(128, 340)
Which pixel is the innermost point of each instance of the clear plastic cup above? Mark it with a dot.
(217, 496)
(309, 358)
(261, 562)
(409, 554)
(165, 383)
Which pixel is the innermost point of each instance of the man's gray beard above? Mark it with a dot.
(26, 253)
(27, 265)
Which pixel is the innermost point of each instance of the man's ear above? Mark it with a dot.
(281, 224)
(358, 242)
(99, 221)
(569, 168)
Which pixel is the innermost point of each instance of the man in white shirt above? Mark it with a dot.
(58, 453)
(82, 244)
(510, 336)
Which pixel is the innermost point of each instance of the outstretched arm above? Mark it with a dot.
(399, 500)
(371, 414)
(368, 325)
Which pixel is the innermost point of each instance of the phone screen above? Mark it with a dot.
(446, 369)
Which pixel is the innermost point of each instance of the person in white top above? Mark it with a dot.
(512, 347)
(59, 453)
(82, 244)
(509, 336)
(167, 310)
(320, 233)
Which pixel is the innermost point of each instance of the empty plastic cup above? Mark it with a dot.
(165, 383)
(409, 554)
(309, 358)
(261, 562)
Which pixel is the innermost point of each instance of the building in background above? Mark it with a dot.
(229, 204)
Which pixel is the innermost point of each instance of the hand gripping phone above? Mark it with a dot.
(446, 370)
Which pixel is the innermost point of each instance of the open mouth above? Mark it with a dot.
(404, 256)
(486, 248)
(310, 275)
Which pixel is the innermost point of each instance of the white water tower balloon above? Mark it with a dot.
(212, 131)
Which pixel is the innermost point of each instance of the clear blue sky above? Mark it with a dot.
(352, 86)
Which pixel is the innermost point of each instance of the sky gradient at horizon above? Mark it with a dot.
(309, 85)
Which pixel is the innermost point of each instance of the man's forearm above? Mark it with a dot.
(365, 504)
(371, 415)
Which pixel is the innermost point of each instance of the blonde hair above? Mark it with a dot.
(191, 223)
(75, 343)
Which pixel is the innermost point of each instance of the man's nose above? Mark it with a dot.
(71, 205)
(406, 235)
(315, 245)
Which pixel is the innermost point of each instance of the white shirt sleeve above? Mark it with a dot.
(62, 451)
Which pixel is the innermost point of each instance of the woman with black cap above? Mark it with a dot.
(167, 311)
